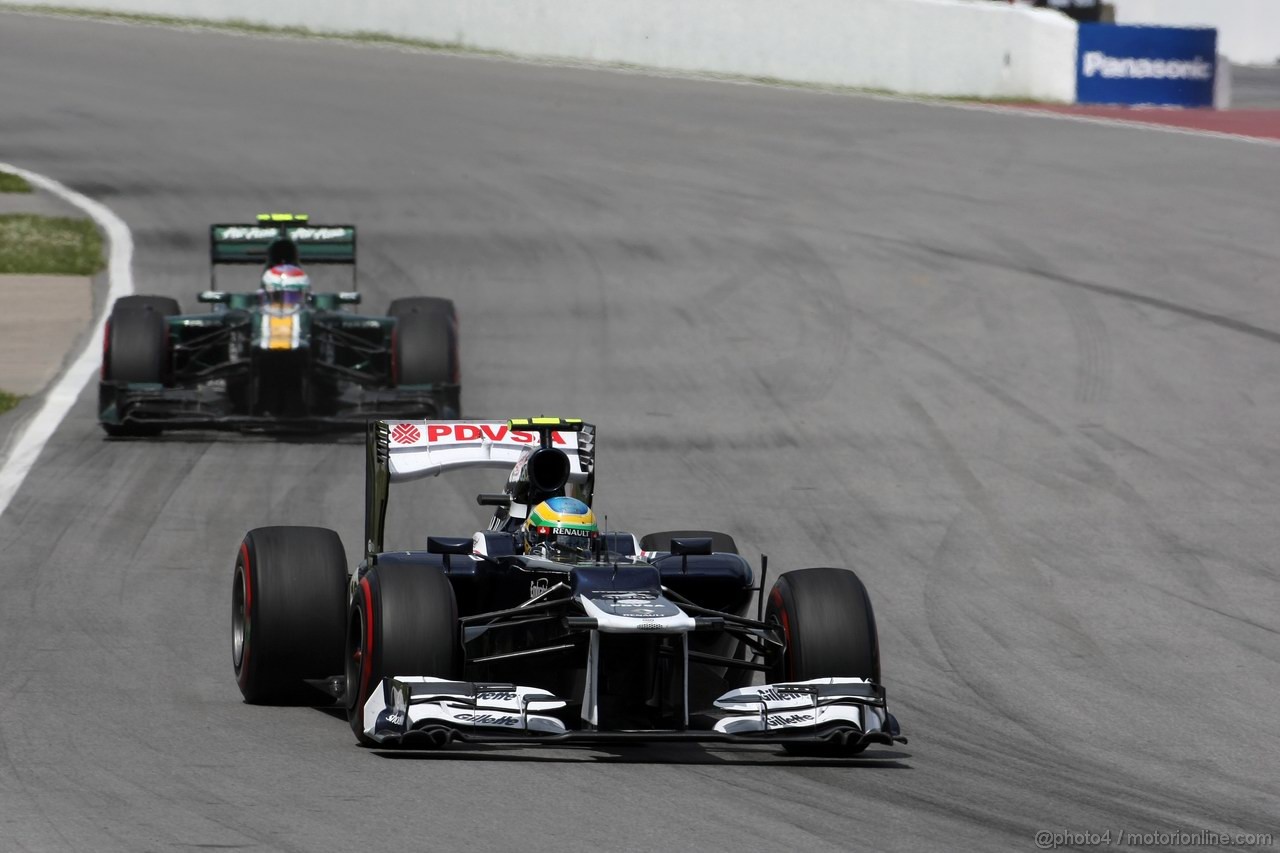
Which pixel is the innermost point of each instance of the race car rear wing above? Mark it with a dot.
(428, 448)
(281, 238)
(400, 451)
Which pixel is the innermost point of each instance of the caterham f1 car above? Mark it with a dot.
(485, 639)
(287, 358)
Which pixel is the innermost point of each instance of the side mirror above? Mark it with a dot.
(691, 547)
(349, 297)
(448, 545)
(214, 297)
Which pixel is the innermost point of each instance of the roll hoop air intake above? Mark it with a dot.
(547, 469)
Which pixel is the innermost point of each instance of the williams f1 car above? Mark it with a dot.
(482, 639)
(252, 362)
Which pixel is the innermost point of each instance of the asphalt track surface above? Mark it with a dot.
(1022, 374)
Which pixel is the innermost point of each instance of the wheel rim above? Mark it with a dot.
(239, 620)
(783, 665)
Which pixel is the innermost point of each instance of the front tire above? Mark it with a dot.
(830, 631)
(136, 348)
(166, 306)
(425, 342)
(403, 621)
(288, 612)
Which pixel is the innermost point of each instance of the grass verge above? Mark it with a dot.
(10, 183)
(49, 245)
(8, 401)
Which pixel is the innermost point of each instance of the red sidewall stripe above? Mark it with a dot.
(366, 659)
(105, 372)
(248, 613)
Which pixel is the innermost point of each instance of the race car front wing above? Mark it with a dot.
(209, 407)
(423, 711)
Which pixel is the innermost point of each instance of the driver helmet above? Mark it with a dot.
(561, 529)
(285, 288)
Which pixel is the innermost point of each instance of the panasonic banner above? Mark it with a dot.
(1169, 66)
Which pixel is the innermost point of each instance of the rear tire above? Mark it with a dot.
(426, 341)
(403, 621)
(721, 543)
(288, 613)
(830, 631)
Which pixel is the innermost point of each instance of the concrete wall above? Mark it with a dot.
(1248, 30)
(935, 47)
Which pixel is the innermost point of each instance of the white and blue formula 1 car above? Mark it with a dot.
(486, 639)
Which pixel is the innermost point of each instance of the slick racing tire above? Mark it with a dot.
(403, 620)
(425, 342)
(288, 613)
(135, 348)
(165, 306)
(721, 543)
(830, 631)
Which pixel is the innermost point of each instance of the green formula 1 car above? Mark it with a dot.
(280, 357)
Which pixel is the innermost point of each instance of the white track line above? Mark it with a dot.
(58, 400)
